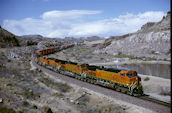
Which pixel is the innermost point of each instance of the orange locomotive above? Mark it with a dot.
(125, 80)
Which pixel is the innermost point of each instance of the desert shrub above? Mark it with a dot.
(101, 58)
(2, 45)
(165, 59)
(47, 109)
(25, 103)
(18, 63)
(146, 79)
(58, 94)
(151, 58)
(82, 103)
(28, 93)
(10, 85)
(13, 39)
(120, 55)
(165, 91)
(35, 107)
(72, 54)
(7, 39)
(9, 60)
(28, 54)
(16, 41)
(6, 110)
(30, 42)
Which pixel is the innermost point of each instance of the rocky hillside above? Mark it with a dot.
(32, 36)
(152, 40)
(7, 39)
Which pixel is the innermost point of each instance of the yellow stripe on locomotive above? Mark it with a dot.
(123, 77)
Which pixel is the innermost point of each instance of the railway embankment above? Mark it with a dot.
(150, 42)
(112, 96)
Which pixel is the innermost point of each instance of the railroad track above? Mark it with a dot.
(123, 90)
(147, 98)
(151, 99)
(143, 101)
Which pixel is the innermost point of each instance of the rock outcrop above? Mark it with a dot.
(152, 40)
(32, 36)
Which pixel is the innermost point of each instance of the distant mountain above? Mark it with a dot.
(93, 38)
(152, 40)
(32, 36)
(7, 39)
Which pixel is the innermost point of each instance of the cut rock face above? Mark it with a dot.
(152, 40)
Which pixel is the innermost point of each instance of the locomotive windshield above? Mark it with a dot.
(134, 74)
(130, 75)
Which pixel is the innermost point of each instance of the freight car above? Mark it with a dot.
(117, 79)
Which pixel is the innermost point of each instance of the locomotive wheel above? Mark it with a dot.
(104, 84)
(118, 89)
(59, 71)
(92, 82)
(125, 92)
(114, 87)
(88, 80)
(95, 82)
(77, 77)
(80, 78)
(128, 92)
(131, 93)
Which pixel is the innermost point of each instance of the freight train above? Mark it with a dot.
(126, 81)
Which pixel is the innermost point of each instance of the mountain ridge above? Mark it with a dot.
(152, 40)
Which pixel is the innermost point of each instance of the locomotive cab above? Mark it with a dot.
(133, 81)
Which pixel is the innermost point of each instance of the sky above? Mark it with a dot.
(79, 18)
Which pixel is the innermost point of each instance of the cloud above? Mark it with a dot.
(74, 23)
(123, 24)
(70, 14)
(27, 26)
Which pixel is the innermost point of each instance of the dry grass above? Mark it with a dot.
(62, 87)
(6, 110)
